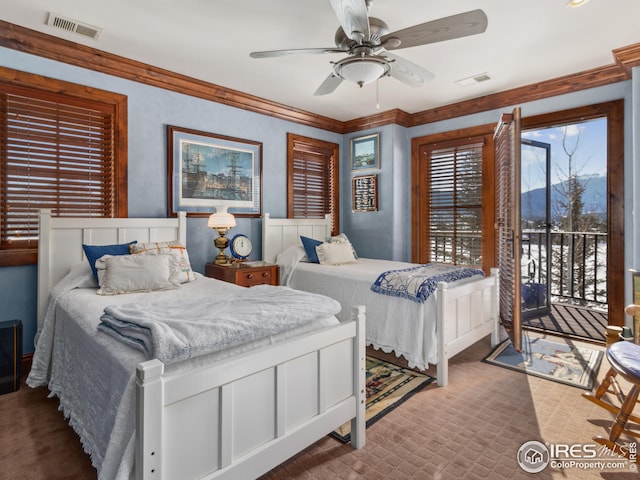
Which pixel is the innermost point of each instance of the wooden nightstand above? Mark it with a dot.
(245, 274)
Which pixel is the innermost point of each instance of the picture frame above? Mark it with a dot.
(207, 171)
(364, 191)
(365, 152)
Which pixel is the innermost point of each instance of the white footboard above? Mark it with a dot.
(241, 417)
(465, 314)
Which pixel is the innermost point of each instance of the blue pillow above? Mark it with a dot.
(94, 252)
(310, 245)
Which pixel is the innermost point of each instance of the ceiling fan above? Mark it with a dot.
(366, 40)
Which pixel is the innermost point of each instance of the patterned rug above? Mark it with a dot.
(388, 386)
(560, 362)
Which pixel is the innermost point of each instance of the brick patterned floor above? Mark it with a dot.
(471, 429)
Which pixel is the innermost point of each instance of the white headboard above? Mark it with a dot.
(61, 239)
(278, 234)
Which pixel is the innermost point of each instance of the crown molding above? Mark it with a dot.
(54, 48)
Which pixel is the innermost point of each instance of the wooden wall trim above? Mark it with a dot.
(396, 116)
(54, 48)
(596, 77)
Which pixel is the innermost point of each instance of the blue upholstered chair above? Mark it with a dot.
(624, 358)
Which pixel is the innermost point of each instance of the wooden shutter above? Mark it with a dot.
(56, 152)
(507, 155)
(312, 176)
(454, 202)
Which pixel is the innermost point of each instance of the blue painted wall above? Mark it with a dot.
(382, 234)
(150, 111)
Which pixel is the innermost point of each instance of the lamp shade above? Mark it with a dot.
(362, 72)
(363, 69)
(221, 220)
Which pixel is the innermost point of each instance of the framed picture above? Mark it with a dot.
(206, 171)
(365, 152)
(365, 193)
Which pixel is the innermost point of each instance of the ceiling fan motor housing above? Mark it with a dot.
(377, 28)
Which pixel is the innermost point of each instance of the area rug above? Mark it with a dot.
(388, 386)
(560, 362)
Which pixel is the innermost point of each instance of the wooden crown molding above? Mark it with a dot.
(54, 48)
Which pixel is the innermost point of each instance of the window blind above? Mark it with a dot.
(312, 179)
(455, 194)
(56, 152)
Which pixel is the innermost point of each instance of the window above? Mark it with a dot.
(61, 151)
(312, 179)
(453, 201)
(454, 204)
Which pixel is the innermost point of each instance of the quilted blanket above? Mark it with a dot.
(174, 332)
(418, 283)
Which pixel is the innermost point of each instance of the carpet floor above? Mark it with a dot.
(471, 429)
(388, 386)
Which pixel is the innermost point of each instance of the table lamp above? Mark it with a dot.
(221, 221)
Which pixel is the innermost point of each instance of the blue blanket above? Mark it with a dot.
(418, 283)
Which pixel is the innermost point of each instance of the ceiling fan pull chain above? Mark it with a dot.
(378, 94)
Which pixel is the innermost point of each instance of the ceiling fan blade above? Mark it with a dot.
(408, 72)
(446, 28)
(329, 85)
(295, 51)
(353, 18)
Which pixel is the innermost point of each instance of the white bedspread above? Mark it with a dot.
(174, 332)
(394, 324)
(94, 376)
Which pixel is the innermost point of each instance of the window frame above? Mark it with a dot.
(294, 144)
(13, 80)
(420, 246)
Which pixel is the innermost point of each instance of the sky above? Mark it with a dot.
(588, 141)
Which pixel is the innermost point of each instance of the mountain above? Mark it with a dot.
(594, 199)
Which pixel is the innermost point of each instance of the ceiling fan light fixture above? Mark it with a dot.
(362, 70)
(576, 3)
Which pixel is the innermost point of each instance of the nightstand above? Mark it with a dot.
(245, 274)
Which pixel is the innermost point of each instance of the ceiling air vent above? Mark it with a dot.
(482, 77)
(73, 26)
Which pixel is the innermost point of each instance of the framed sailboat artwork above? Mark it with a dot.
(208, 171)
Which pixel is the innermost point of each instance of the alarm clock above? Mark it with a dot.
(240, 246)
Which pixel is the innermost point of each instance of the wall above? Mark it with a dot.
(385, 233)
(150, 111)
(382, 234)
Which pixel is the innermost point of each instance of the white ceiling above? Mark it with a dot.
(525, 42)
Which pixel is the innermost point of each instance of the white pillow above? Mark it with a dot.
(342, 238)
(335, 253)
(135, 273)
(175, 249)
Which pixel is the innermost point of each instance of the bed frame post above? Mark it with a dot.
(44, 258)
(442, 368)
(149, 407)
(358, 423)
(182, 227)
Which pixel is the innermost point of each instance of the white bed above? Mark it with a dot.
(236, 413)
(458, 315)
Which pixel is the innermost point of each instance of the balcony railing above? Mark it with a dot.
(578, 265)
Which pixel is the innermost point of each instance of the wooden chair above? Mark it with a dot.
(624, 358)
